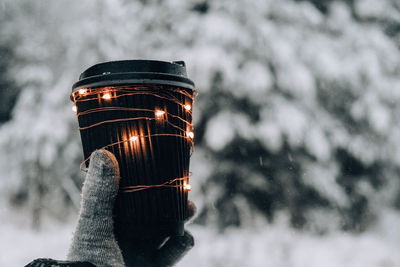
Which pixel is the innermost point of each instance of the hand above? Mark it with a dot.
(94, 239)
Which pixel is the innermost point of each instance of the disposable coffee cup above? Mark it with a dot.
(141, 111)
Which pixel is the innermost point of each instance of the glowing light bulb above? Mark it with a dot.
(160, 113)
(74, 108)
(134, 138)
(187, 187)
(107, 96)
(190, 135)
(188, 107)
(82, 91)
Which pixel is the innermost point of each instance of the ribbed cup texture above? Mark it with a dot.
(146, 154)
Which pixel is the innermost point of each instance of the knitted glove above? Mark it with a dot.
(94, 239)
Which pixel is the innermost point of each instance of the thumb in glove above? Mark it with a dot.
(94, 239)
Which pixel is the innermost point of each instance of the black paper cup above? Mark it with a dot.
(140, 110)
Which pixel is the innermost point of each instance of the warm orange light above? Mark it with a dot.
(188, 107)
(107, 96)
(187, 187)
(82, 91)
(74, 108)
(159, 113)
(134, 138)
(190, 135)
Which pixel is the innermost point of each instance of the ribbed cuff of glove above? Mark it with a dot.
(55, 263)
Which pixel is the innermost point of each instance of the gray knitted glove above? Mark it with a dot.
(94, 239)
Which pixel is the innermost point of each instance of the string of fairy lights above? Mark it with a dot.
(107, 94)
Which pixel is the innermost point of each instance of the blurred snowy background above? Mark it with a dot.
(297, 159)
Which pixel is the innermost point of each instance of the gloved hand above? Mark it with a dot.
(94, 239)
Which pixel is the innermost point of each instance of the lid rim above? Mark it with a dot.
(133, 78)
(134, 71)
(140, 65)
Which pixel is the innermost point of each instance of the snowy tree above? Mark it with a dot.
(9, 91)
(296, 110)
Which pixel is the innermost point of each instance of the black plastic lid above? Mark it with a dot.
(127, 72)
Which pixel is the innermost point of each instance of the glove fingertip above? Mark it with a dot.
(174, 249)
(189, 239)
(103, 175)
(104, 159)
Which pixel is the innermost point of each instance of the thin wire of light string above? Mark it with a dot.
(127, 109)
(169, 183)
(76, 96)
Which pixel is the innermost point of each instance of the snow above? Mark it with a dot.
(223, 127)
(20, 244)
(323, 179)
(219, 132)
(254, 82)
(374, 9)
(316, 83)
(296, 80)
(292, 122)
(317, 144)
(208, 60)
(269, 135)
(274, 245)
